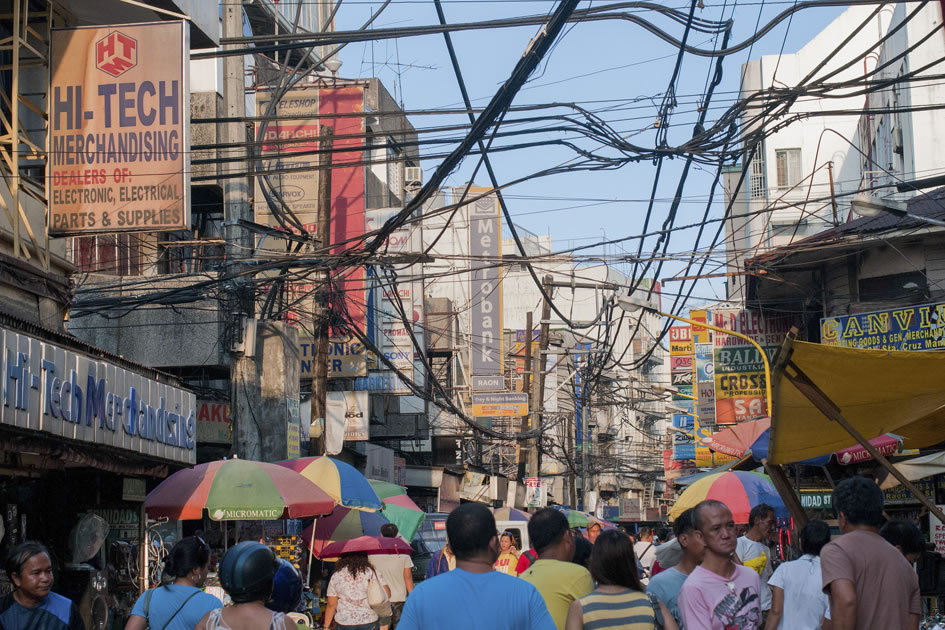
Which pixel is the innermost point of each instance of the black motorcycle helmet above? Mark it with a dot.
(246, 572)
(286, 589)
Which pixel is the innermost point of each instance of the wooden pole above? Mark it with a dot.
(827, 407)
(534, 452)
(322, 306)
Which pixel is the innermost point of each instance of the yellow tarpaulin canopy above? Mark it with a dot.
(877, 391)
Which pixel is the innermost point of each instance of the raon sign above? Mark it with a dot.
(116, 53)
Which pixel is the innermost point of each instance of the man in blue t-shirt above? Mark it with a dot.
(664, 587)
(474, 596)
(33, 605)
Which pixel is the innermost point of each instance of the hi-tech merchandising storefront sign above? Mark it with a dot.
(47, 388)
(119, 120)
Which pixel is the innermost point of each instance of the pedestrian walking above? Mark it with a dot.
(719, 594)
(664, 588)
(905, 537)
(619, 600)
(870, 583)
(441, 562)
(582, 550)
(179, 604)
(32, 605)
(474, 596)
(246, 574)
(396, 570)
(797, 600)
(752, 548)
(525, 560)
(347, 603)
(593, 531)
(508, 555)
(556, 577)
(645, 548)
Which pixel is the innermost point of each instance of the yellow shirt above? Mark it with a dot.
(506, 563)
(559, 584)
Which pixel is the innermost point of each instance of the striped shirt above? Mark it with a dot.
(627, 610)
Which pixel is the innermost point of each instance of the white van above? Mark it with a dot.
(519, 530)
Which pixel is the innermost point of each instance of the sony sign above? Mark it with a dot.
(485, 250)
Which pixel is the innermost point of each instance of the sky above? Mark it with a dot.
(615, 68)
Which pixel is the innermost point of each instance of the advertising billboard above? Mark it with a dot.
(347, 417)
(119, 129)
(681, 377)
(739, 367)
(907, 328)
(485, 284)
(504, 405)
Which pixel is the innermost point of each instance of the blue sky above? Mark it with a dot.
(616, 65)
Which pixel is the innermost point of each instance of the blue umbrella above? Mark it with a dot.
(759, 450)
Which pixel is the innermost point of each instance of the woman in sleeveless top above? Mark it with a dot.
(619, 600)
(179, 604)
(246, 574)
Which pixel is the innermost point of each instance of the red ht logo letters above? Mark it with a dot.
(116, 53)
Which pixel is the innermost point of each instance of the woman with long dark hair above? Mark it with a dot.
(180, 603)
(619, 600)
(347, 602)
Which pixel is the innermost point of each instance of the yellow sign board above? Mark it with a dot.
(501, 405)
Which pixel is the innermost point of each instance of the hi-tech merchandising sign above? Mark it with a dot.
(119, 120)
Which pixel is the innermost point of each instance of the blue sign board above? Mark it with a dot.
(907, 328)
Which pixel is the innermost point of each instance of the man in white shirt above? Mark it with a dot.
(645, 549)
(797, 601)
(752, 548)
(395, 569)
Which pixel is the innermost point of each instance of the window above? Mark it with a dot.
(757, 184)
(109, 254)
(789, 167)
(912, 284)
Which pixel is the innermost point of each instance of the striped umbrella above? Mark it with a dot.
(399, 509)
(237, 489)
(510, 514)
(341, 481)
(342, 524)
(739, 490)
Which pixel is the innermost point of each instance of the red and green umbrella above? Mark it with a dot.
(237, 490)
(342, 524)
(399, 509)
(575, 518)
(739, 490)
(341, 481)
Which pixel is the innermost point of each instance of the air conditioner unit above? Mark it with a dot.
(413, 176)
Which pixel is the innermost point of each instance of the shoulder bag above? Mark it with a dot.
(147, 609)
(377, 597)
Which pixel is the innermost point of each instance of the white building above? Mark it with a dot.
(800, 178)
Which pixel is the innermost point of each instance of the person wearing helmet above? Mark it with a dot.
(286, 588)
(246, 574)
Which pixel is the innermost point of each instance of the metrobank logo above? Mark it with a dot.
(116, 53)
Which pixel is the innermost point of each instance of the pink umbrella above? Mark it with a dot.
(369, 544)
(885, 444)
(737, 440)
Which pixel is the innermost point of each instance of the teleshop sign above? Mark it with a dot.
(119, 120)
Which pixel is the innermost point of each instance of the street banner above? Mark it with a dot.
(119, 129)
(346, 357)
(681, 377)
(504, 405)
(699, 334)
(908, 328)
(485, 283)
(532, 492)
(214, 424)
(347, 415)
(739, 368)
(705, 383)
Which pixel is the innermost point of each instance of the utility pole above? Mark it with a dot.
(524, 458)
(322, 296)
(833, 198)
(239, 244)
(536, 411)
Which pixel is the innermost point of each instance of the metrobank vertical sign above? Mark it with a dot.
(119, 141)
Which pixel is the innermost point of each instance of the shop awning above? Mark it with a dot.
(876, 391)
(917, 468)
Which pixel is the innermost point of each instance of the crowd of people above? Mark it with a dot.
(699, 576)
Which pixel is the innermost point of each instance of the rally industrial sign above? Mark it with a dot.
(119, 129)
(44, 387)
